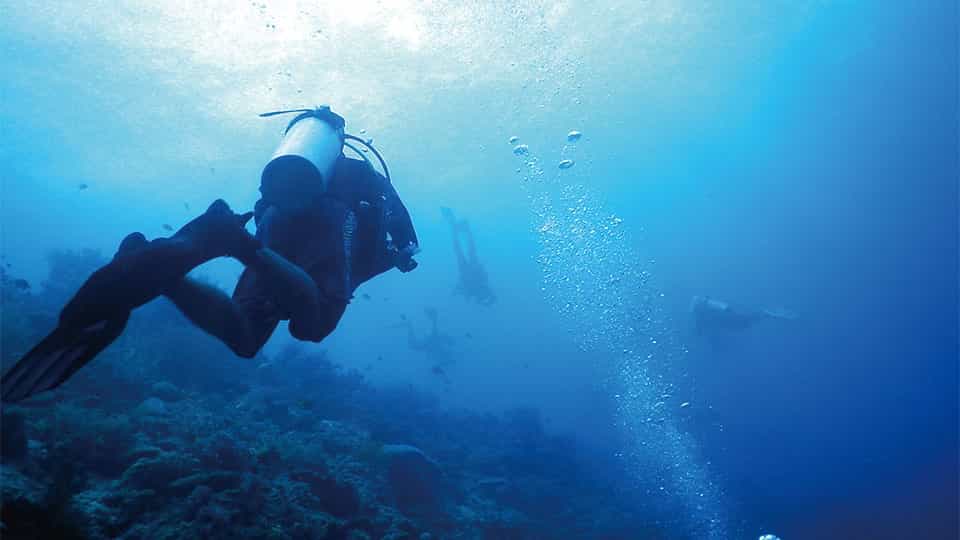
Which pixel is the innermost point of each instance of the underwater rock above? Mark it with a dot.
(33, 509)
(15, 485)
(139, 451)
(152, 407)
(100, 520)
(166, 391)
(336, 498)
(156, 473)
(221, 451)
(13, 442)
(216, 481)
(414, 478)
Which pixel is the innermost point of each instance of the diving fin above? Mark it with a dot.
(58, 357)
(780, 313)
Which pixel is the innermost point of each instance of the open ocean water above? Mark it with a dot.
(604, 163)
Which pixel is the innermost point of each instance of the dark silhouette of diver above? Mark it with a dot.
(712, 316)
(437, 346)
(472, 282)
(322, 230)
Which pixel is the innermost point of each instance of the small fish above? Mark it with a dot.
(186, 206)
(468, 335)
(21, 284)
(213, 171)
(379, 359)
(365, 296)
(368, 367)
(82, 187)
(403, 317)
(167, 227)
(437, 370)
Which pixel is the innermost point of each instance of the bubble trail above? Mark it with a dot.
(605, 292)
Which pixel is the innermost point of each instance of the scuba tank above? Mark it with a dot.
(303, 165)
(301, 168)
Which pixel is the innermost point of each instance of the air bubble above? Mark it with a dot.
(574, 136)
(514, 140)
(521, 150)
(565, 164)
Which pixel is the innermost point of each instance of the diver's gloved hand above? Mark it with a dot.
(404, 260)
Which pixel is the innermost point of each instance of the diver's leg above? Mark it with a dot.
(455, 234)
(471, 245)
(268, 289)
(318, 325)
(138, 273)
(219, 315)
(293, 290)
(142, 270)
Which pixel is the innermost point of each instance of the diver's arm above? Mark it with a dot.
(400, 226)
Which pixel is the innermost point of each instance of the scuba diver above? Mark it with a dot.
(437, 346)
(712, 316)
(472, 283)
(325, 223)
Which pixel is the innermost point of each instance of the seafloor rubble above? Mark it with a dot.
(167, 436)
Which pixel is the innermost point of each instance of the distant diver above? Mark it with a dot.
(712, 316)
(437, 346)
(326, 223)
(472, 282)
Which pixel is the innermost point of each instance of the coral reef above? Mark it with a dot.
(168, 436)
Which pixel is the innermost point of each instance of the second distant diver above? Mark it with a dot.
(436, 345)
(472, 282)
(712, 316)
(325, 223)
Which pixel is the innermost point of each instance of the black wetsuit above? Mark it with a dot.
(319, 245)
(337, 237)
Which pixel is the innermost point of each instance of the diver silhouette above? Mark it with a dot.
(325, 223)
(437, 346)
(712, 316)
(472, 281)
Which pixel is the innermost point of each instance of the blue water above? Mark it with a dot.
(797, 154)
